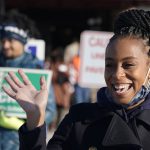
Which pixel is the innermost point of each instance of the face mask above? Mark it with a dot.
(143, 92)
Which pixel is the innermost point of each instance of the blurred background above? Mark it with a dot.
(61, 20)
(60, 23)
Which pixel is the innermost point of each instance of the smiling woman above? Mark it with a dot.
(119, 120)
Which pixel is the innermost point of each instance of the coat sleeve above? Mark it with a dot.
(36, 139)
(62, 137)
(32, 140)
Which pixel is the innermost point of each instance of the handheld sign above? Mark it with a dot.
(37, 48)
(92, 54)
(8, 104)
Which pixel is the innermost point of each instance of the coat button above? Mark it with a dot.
(92, 148)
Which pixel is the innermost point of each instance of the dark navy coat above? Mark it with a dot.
(87, 127)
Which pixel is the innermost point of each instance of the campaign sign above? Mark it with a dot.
(92, 53)
(8, 104)
(37, 48)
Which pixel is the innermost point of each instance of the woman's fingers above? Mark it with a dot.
(43, 83)
(8, 91)
(24, 77)
(15, 79)
(12, 84)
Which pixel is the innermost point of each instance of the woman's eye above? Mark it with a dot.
(128, 65)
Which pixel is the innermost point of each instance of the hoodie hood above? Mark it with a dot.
(104, 100)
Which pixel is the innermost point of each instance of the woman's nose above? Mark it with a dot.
(118, 73)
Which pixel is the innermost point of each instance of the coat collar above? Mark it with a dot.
(144, 116)
(119, 133)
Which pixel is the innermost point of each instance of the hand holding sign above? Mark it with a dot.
(32, 101)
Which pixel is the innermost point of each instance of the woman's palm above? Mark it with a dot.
(25, 93)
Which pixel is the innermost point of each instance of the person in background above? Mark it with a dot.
(119, 120)
(71, 50)
(72, 60)
(61, 84)
(15, 29)
(81, 94)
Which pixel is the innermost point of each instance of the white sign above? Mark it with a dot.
(37, 48)
(92, 52)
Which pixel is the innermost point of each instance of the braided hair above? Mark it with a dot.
(134, 23)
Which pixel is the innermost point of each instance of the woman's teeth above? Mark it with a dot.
(121, 88)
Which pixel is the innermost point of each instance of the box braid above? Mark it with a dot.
(134, 23)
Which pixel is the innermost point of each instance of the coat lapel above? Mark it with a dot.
(145, 116)
(119, 133)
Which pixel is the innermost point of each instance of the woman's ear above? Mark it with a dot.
(147, 49)
(148, 53)
(149, 76)
(148, 73)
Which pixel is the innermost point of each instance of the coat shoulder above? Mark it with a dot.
(87, 111)
(84, 108)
